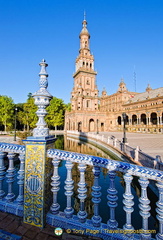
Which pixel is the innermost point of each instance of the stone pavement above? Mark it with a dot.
(152, 144)
(9, 139)
(14, 225)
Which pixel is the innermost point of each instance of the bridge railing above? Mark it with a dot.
(11, 195)
(134, 153)
(67, 219)
(80, 221)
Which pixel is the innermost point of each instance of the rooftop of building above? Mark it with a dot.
(148, 94)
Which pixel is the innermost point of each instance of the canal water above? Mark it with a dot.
(73, 145)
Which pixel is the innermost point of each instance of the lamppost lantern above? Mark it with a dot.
(124, 127)
(124, 115)
(15, 124)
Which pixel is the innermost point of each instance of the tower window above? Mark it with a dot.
(88, 82)
(88, 103)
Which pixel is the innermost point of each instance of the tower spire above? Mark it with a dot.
(84, 15)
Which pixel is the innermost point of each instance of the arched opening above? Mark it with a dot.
(127, 120)
(91, 125)
(154, 118)
(119, 120)
(79, 126)
(134, 119)
(143, 119)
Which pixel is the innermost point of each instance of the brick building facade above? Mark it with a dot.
(92, 113)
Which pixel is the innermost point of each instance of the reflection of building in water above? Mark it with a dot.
(75, 145)
(85, 148)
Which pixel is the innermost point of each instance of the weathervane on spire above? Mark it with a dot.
(84, 15)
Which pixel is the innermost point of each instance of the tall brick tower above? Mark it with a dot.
(84, 95)
(85, 115)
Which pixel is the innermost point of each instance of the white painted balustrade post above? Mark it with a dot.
(2, 174)
(128, 202)
(82, 214)
(55, 187)
(69, 189)
(96, 194)
(11, 172)
(108, 140)
(115, 142)
(112, 200)
(159, 210)
(136, 157)
(20, 198)
(144, 207)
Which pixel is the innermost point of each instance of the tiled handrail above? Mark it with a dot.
(106, 163)
(10, 203)
(66, 218)
(10, 147)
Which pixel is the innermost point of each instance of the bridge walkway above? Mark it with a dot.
(14, 225)
(151, 144)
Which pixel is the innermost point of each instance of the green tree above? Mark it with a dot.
(6, 112)
(68, 107)
(28, 116)
(56, 111)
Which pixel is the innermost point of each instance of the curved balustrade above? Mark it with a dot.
(14, 148)
(80, 222)
(75, 221)
(9, 201)
(135, 154)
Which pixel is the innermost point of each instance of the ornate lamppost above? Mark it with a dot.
(124, 127)
(15, 124)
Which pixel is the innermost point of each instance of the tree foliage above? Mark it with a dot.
(56, 110)
(6, 112)
(27, 116)
(68, 107)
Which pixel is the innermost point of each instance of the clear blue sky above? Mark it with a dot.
(124, 34)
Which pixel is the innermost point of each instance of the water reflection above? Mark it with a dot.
(73, 145)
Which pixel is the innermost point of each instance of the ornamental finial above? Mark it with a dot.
(42, 98)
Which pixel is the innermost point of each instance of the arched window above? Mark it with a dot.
(119, 120)
(91, 125)
(143, 119)
(134, 119)
(154, 118)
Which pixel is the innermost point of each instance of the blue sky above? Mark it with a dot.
(126, 36)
